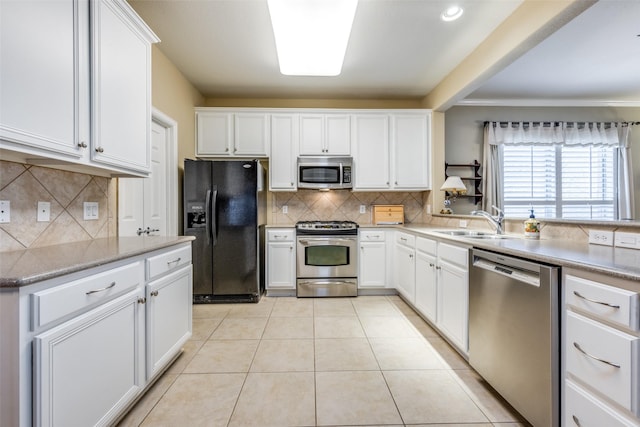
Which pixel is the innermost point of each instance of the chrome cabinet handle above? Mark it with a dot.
(142, 300)
(438, 267)
(431, 264)
(101, 289)
(596, 302)
(576, 420)
(82, 144)
(576, 345)
(100, 149)
(154, 293)
(174, 261)
(140, 231)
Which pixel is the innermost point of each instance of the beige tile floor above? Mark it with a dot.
(318, 362)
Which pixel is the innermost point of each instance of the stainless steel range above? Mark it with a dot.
(327, 258)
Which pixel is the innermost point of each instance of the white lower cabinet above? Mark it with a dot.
(601, 350)
(405, 262)
(169, 302)
(427, 278)
(281, 261)
(85, 345)
(373, 259)
(88, 369)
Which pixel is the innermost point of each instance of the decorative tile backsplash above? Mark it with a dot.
(310, 205)
(24, 186)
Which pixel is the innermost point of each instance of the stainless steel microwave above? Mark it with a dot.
(324, 172)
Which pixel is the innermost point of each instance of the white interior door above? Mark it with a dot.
(150, 203)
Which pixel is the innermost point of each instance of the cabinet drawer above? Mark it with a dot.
(583, 409)
(405, 239)
(619, 382)
(453, 254)
(613, 304)
(372, 236)
(388, 214)
(281, 235)
(54, 303)
(426, 245)
(160, 264)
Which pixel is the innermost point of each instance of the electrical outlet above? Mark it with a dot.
(5, 211)
(44, 212)
(363, 209)
(462, 223)
(90, 210)
(285, 209)
(627, 240)
(600, 237)
(428, 209)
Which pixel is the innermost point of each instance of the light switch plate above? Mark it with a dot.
(90, 210)
(44, 212)
(285, 209)
(627, 240)
(5, 211)
(363, 209)
(601, 237)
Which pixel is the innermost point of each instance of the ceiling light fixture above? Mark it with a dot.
(452, 13)
(311, 35)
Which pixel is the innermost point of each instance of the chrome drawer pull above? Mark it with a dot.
(576, 420)
(175, 260)
(594, 301)
(576, 345)
(102, 289)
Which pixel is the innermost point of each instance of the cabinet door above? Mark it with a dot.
(169, 302)
(426, 285)
(43, 66)
(406, 272)
(312, 134)
(284, 152)
(338, 134)
(88, 369)
(215, 133)
(373, 265)
(410, 139)
(453, 308)
(371, 151)
(251, 132)
(281, 265)
(121, 87)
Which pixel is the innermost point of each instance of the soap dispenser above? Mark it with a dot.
(532, 227)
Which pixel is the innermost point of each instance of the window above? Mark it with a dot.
(572, 182)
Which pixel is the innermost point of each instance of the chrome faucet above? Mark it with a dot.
(495, 220)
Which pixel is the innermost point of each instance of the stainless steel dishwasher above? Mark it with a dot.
(514, 336)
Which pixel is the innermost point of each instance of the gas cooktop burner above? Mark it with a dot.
(327, 227)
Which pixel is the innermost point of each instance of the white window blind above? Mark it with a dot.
(576, 182)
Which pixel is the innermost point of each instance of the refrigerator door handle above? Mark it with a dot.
(207, 216)
(214, 217)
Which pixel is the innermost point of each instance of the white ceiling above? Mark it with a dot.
(400, 49)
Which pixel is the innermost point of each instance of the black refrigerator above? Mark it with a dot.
(225, 210)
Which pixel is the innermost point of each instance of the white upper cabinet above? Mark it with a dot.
(284, 152)
(370, 138)
(410, 139)
(325, 134)
(75, 79)
(44, 49)
(121, 86)
(391, 150)
(224, 133)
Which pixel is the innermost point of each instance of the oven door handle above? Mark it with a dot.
(324, 241)
(326, 282)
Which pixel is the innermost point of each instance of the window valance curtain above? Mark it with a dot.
(556, 133)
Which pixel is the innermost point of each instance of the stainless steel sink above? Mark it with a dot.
(473, 234)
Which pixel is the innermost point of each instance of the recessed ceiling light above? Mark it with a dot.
(311, 35)
(452, 13)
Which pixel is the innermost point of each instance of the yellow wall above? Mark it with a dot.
(176, 97)
(312, 103)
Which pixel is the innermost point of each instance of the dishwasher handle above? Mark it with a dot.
(528, 277)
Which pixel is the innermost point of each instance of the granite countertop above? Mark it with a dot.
(619, 262)
(24, 267)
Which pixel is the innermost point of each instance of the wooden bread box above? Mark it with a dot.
(388, 214)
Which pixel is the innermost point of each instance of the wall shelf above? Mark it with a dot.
(476, 179)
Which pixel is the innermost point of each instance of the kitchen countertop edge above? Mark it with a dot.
(27, 266)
